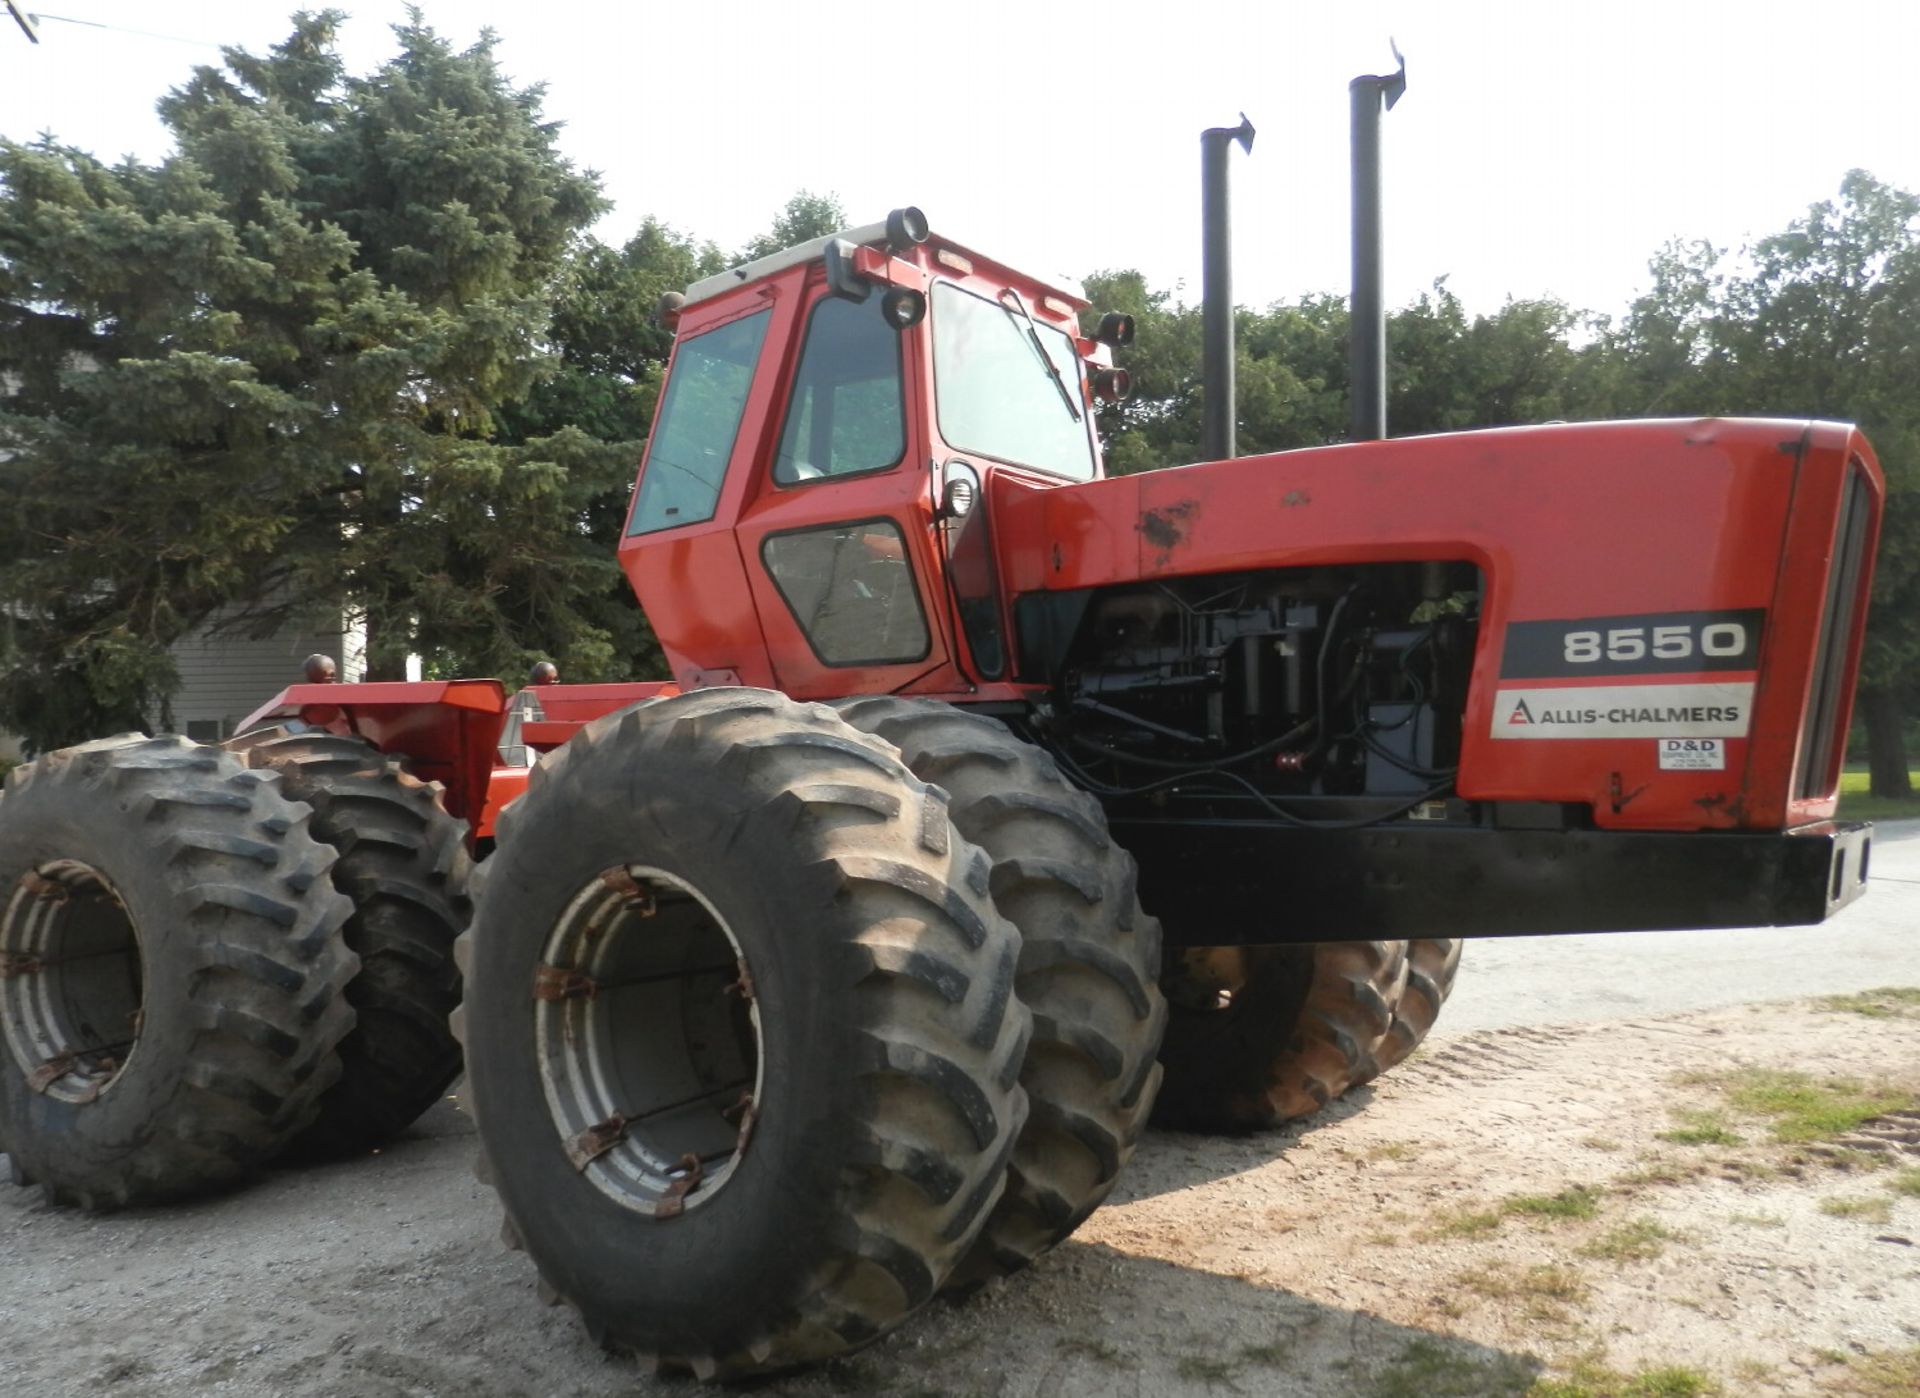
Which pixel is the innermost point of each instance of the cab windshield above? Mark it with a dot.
(995, 393)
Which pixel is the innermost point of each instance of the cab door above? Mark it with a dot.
(838, 539)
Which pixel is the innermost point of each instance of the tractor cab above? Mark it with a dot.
(805, 517)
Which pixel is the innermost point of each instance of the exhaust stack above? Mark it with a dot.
(1367, 345)
(1216, 300)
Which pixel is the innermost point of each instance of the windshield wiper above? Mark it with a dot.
(1033, 338)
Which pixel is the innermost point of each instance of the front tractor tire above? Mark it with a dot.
(171, 971)
(1432, 966)
(742, 1041)
(1262, 1035)
(1089, 967)
(403, 861)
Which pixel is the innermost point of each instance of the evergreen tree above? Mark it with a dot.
(806, 216)
(265, 373)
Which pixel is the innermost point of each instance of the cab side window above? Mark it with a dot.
(851, 589)
(846, 415)
(698, 421)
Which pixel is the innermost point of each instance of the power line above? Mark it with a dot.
(24, 21)
(27, 19)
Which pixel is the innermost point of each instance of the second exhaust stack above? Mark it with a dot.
(1367, 344)
(1218, 413)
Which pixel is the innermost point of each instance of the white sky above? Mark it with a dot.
(1543, 148)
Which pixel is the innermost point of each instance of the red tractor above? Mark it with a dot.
(832, 975)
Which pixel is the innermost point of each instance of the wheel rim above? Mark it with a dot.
(72, 980)
(649, 1041)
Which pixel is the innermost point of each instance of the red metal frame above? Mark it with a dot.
(1563, 522)
(449, 730)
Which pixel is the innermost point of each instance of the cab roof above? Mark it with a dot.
(866, 234)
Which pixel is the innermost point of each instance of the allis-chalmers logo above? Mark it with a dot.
(1650, 713)
(1690, 710)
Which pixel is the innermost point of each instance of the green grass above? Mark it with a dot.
(1575, 1201)
(1702, 1129)
(1887, 1374)
(1636, 1240)
(1542, 1292)
(1207, 1368)
(1432, 1369)
(1871, 1210)
(1888, 1002)
(1799, 1107)
(1279, 1355)
(1597, 1381)
(1087, 1347)
(1467, 1223)
(1856, 804)
(1660, 1169)
(1906, 1182)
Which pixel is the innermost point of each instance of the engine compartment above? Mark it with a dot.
(1306, 694)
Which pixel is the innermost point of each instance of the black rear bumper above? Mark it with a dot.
(1218, 883)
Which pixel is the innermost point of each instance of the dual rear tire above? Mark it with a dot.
(211, 958)
(743, 1043)
(171, 971)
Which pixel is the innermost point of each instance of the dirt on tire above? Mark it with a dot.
(171, 971)
(403, 862)
(858, 924)
(1089, 967)
(1263, 1035)
(1432, 967)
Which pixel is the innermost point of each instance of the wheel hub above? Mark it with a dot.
(648, 1039)
(71, 980)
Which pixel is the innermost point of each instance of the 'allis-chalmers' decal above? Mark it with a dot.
(1719, 710)
(1686, 645)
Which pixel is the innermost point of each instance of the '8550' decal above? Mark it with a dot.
(1660, 643)
(1698, 645)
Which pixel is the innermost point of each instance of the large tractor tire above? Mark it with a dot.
(403, 861)
(1259, 1036)
(171, 971)
(1432, 966)
(1089, 967)
(742, 1040)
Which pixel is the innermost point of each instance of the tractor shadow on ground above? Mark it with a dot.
(1168, 1161)
(1090, 1320)
(383, 1277)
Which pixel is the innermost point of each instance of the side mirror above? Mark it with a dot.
(843, 280)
